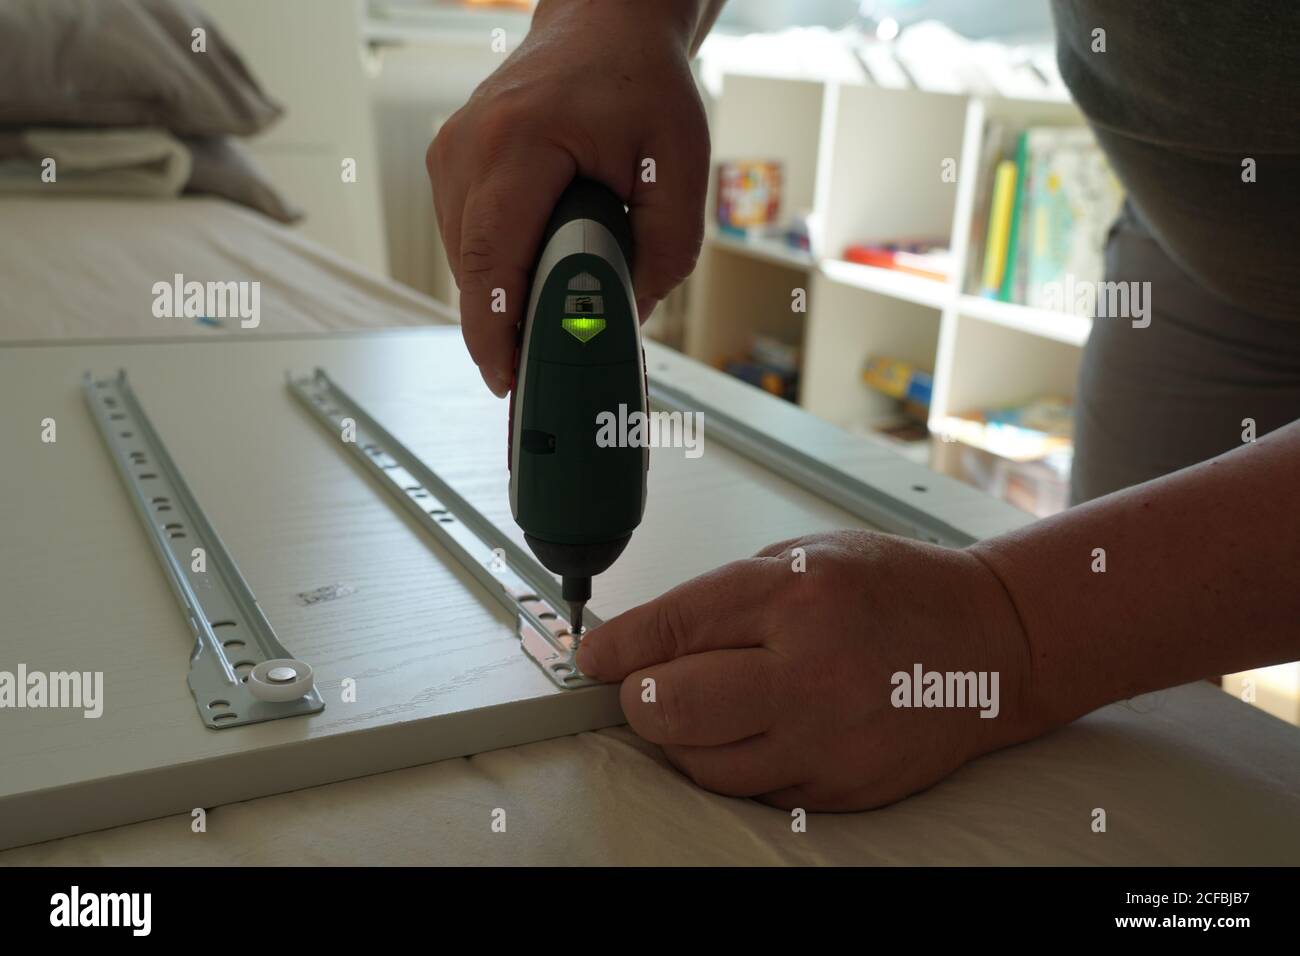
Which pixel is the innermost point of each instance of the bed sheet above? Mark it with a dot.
(85, 268)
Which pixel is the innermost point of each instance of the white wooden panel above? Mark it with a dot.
(437, 666)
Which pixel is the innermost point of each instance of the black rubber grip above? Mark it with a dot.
(588, 199)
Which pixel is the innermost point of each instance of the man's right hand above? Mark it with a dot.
(595, 89)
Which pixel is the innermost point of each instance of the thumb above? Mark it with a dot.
(667, 215)
(717, 611)
(500, 229)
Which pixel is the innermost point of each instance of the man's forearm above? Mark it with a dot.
(1202, 577)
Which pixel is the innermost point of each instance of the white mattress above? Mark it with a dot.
(85, 269)
(1186, 776)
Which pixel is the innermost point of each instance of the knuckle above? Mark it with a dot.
(800, 589)
(824, 556)
(670, 629)
(432, 157)
(443, 146)
(478, 257)
(829, 568)
(785, 549)
(435, 156)
(502, 121)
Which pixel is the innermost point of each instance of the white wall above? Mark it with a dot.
(308, 55)
(415, 88)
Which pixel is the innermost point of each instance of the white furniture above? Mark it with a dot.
(437, 666)
(867, 162)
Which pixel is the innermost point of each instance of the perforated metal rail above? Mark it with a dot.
(240, 673)
(508, 573)
(856, 496)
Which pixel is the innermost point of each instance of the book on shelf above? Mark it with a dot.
(900, 379)
(1036, 430)
(1020, 453)
(993, 145)
(1040, 487)
(1006, 287)
(1049, 211)
(749, 194)
(999, 232)
(927, 258)
(770, 364)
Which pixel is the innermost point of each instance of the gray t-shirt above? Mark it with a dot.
(1184, 93)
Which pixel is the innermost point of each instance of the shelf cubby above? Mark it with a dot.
(867, 162)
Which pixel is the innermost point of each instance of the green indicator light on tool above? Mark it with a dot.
(583, 328)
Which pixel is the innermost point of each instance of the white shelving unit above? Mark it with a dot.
(866, 162)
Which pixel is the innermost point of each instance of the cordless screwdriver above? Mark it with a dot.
(579, 363)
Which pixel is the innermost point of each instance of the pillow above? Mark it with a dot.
(221, 167)
(124, 63)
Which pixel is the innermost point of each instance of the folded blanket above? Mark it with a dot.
(135, 162)
(125, 162)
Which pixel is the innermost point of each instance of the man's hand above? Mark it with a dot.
(596, 88)
(776, 683)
